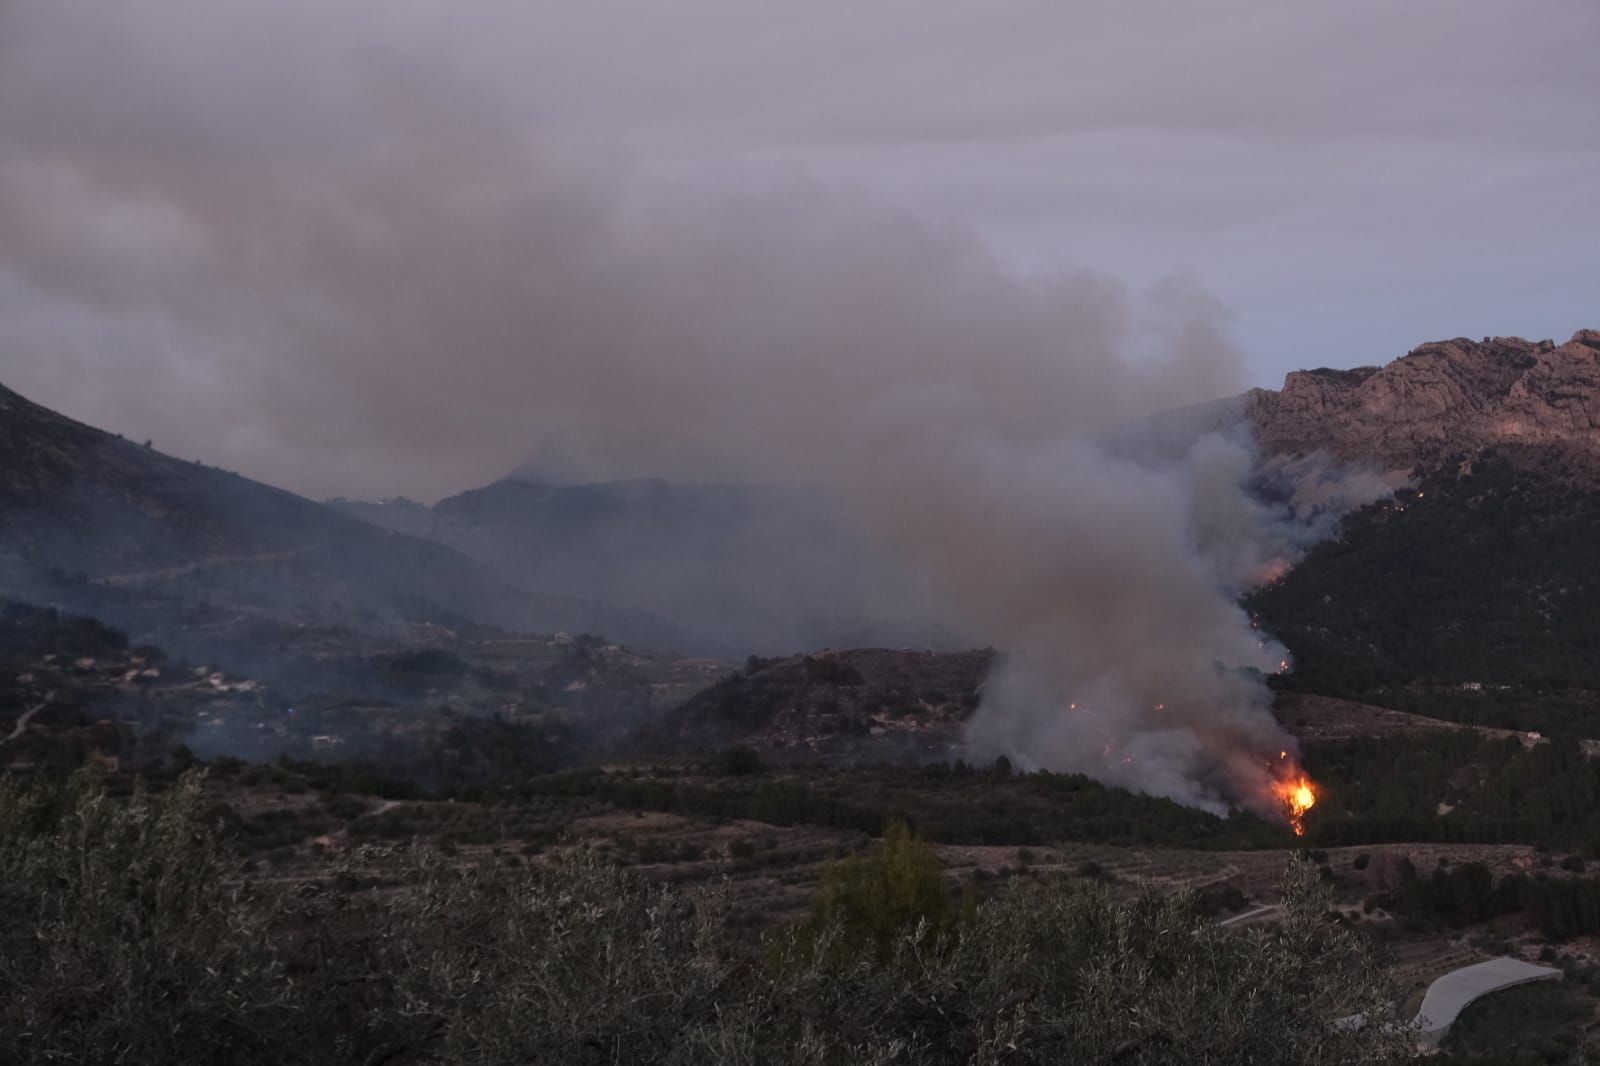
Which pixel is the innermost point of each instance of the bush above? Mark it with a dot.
(869, 902)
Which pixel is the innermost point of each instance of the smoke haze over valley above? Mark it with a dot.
(742, 531)
(358, 259)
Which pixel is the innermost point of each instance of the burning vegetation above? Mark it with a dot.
(1295, 792)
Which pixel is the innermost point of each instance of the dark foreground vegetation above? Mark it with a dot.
(133, 935)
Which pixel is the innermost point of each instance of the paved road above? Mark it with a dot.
(1449, 995)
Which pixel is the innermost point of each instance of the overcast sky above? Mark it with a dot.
(1347, 179)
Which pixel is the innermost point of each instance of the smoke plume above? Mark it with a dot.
(362, 283)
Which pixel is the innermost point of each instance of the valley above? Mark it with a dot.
(348, 698)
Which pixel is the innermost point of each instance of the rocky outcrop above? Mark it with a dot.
(1535, 402)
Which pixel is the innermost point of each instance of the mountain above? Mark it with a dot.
(74, 497)
(1535, 403)
(96, 522)
(744, 567)
(1475, 593)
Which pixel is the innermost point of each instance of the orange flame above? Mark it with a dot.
(1298, 794)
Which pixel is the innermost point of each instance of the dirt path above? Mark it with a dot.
(166, 574)
(1262, 912)
(22, 723)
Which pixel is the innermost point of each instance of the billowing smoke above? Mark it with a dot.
(351, 287)
(1134, 661)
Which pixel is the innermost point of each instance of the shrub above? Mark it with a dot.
(873, 899)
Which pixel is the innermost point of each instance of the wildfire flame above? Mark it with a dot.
(1298, 794)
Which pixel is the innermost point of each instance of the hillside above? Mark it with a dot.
(1471, 594)
(74, 497)
(426, 705)
(835, 706)
(1488, 576)
(96, 522)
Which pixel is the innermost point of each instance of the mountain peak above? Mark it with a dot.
(1536, 401)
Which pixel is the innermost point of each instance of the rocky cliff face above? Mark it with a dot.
(1535, 402)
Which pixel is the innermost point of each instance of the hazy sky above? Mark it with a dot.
(192, 192)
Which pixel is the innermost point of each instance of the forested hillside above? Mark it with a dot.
(1483, 574)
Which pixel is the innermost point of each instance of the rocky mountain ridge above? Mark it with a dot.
(1535, 402)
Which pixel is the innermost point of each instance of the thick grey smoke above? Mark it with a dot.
(347, 276)
(1135, 662)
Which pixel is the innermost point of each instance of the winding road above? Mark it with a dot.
(1451, 994)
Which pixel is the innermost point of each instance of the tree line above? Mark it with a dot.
(1468, 893)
